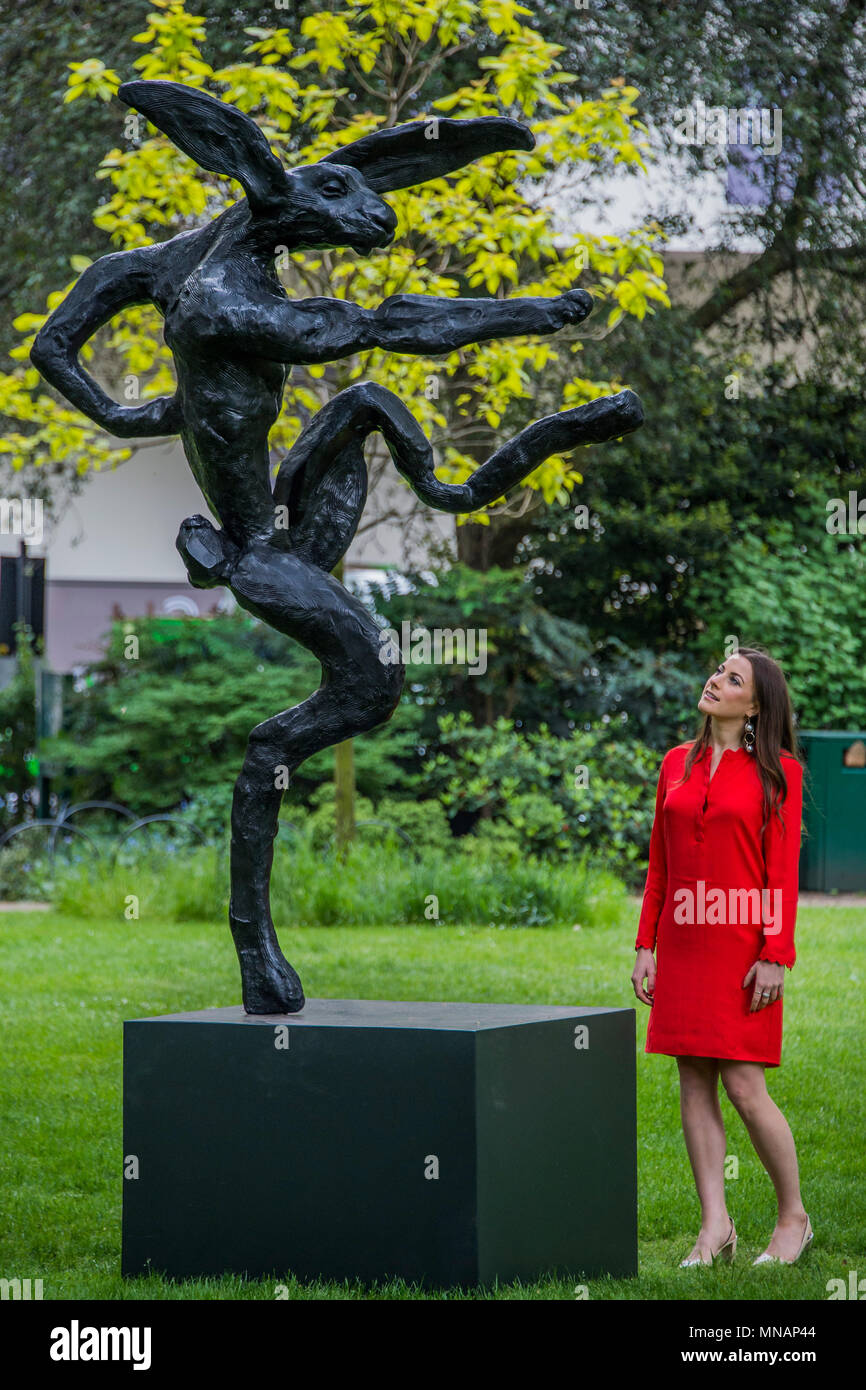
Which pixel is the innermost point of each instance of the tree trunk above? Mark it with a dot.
(344, 779)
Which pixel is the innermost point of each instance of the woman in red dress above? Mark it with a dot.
(718, 910)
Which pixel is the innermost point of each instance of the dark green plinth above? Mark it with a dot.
(258, 1158)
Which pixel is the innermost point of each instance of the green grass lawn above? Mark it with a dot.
(69, 983)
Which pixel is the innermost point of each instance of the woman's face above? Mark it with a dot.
(729, 693)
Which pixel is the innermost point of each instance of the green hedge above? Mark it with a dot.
(474, 882)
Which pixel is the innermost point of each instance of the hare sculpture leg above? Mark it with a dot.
(284, 580)
(361, 686)
(340, 426)
(275, 750)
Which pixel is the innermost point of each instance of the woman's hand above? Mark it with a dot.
(644, 969)
(769, 984)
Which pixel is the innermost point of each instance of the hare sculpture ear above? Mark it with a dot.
(427, 149)
(218, 137)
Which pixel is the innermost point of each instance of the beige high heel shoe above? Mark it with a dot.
(725, 1252)
(808, 1236)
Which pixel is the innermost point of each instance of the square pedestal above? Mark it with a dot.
(446, 1143)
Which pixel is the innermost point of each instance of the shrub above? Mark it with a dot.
(373, 885)
(558, 796)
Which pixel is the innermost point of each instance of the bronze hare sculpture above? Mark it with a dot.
(234, 335)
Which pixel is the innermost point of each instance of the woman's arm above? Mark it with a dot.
(782, 870)
(657, 873)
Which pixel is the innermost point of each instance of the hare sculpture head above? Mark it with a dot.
(331, 203)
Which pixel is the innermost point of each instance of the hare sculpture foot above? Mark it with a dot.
(208, 554)
(270, 985)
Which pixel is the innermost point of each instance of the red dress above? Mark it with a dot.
(706, 837)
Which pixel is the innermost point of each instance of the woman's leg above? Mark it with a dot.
(770, 1133)
(704, 1131)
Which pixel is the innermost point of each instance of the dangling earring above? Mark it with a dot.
(749, 736)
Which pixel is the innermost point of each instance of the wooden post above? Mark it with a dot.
(344, 778)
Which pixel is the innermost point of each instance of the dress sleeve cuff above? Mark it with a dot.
(772, 959)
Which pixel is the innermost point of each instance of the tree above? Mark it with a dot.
(767, 593)
(806, 208)
(707, 470)
(49, 156)
(470, 233)
(790, 313)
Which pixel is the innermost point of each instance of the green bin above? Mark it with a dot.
(833, 855)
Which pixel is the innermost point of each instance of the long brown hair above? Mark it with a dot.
(774, 730)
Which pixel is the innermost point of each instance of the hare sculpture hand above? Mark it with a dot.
(234, 334)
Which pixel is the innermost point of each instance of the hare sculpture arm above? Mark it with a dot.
(322, 330)
(113, 283)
